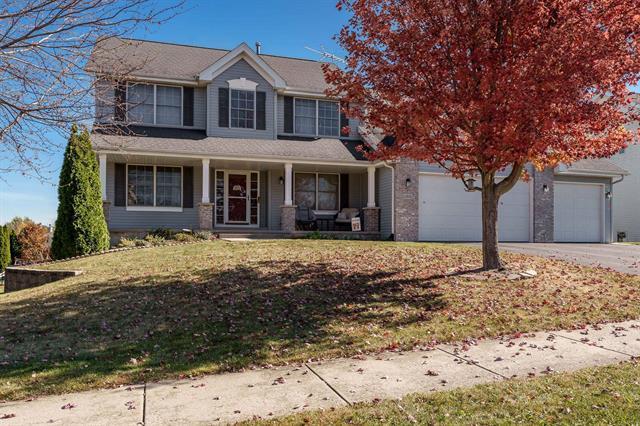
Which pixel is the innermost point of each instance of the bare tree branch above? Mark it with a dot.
(46, 48)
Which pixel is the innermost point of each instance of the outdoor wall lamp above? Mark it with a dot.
(281, 180)
(545, 188)
(608, 195)
(470, 183)
(407, 182)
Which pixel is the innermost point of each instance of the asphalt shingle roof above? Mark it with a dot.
(189, 142)
(596, 165)
(151, 59)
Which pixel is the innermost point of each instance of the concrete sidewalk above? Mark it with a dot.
(267, 393)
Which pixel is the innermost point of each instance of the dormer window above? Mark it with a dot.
(316, 118)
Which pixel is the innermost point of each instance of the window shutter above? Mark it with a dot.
(187, 187)
(120, 185)
(223, 107)
(344, 191)
(288, 114)
(261, 113)
(120, 101)
(187, 106)
(344, 122)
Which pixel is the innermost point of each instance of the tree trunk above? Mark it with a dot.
(490, 198)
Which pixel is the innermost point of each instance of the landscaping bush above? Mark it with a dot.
(5, 248)
(203, 235)
(127, 242)
(154, 240)
(34, 243)
(183, 237)
(165, 233)
(14, 245)
(80, 226)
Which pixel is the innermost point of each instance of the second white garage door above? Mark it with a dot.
(449, 213)
(578, 212)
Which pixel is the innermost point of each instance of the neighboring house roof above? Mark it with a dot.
(192, 142)
(152, 59)
(592, 167)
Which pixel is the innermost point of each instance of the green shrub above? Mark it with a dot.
(165, 233)
(316, 235)
(203, 235)
(183, 237)
(14, 246)
(154, 240)
(127, 242)
(5, 248)
(139, 242)
(80, 225)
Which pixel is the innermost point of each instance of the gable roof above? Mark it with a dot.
(592, 167)
(152, 59)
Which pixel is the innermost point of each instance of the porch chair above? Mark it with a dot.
(343, 220)
(305, 220)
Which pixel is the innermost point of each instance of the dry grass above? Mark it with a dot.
(217, 306)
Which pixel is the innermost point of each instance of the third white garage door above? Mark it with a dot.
(578, 212)
(449, 213)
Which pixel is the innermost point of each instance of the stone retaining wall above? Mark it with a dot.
(23, 278)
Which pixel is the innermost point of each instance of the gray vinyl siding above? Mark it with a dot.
(276, 199)
(122, 220)
(608, 229)
(104, 94)
(357, 190)
(384, 184)
(239, 70)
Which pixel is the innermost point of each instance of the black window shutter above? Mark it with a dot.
(288, 114)
(187, 106)
(261, 113)
(187, 187)
(223, 107)
(120, 102)
(120, 185)
(344, 191)
(344, 122)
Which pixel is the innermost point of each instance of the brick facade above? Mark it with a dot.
(205, 216)
(406, 200)
(543, 206)
(371, 216)
(288, 218)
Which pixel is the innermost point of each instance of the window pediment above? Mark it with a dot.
(242, 84)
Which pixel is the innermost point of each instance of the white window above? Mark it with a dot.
(243, 108)
(169, 105)
(316, 118)
(141, 103)
(154, 104)
(317, 191)
(328, 118)
(154, 186)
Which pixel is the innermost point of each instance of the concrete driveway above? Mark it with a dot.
(621, 257)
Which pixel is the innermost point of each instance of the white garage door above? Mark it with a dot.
(578, 211)
(449, 213)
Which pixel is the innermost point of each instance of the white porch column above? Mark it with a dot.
(371, 186)
(288, 184)
(205, 180)
(102, 160)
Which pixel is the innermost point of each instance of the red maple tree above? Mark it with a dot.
(481, 87)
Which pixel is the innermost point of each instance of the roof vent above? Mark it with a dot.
(258, 47)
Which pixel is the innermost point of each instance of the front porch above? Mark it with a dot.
(254, 197)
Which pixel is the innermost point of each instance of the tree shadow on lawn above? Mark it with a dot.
(111, 332)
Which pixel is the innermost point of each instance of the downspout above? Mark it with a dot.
(611, 209)
(393, 197)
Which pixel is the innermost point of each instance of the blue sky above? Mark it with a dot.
(283, 27)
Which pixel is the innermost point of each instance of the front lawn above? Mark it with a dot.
(606, 395)
(167, 312)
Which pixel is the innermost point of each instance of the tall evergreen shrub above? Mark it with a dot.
(80, 226)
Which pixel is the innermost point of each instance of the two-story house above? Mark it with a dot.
(205, 138)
